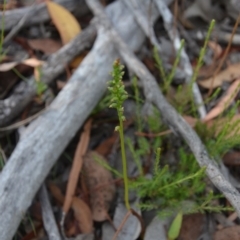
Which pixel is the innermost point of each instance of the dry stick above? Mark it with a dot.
(224, 55)
(18, 26)
(75, 171)
(26, 90)
(144, 22)
(141, 19)
(23, 122)
(122, 224)
(170, 116)
(47, 214)
(187, 68)
(76, 166)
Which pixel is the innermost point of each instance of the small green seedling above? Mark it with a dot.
(175, 227)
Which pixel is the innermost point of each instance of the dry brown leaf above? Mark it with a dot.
(190, 120)
(31, 62)
(217, 49)
(192, 226)
(67, 25)
(56, 192)
(105, 147)
(4, 67)
(45, 45)
(77, 165)
(100, 185)
(227, 75)
(64, 21)
(81, 210)
(83, 215)
(232, 233)
(224, 102)
(232, 158)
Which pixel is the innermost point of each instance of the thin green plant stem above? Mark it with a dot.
(202, 53)
(158, 60)
(175, 64)
(124, 163)
(157, 161)
(200, 63)
(19, 74)
(201, 171)
(137, 99)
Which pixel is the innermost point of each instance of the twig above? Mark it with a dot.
(122, 224)
(18, 26)
(23, 122)
(48, 217)
(146, 24)
(76, 166)
(171, 117)
(187, 68)
(142, 21)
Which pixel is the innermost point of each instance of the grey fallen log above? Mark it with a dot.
(38, 13)
(46, 138)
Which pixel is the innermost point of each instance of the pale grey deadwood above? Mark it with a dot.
(46, 138)
(49, 221)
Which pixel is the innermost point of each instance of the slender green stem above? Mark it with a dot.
(159, 63)
(169, 79)
(124, 163)
(202, 52)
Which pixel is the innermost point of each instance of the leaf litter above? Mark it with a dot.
(67, 25)
(100, 184)
(231, 73)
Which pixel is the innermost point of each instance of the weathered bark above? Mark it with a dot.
(38, 13)
(46, 138)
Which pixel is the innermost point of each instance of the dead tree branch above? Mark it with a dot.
(48, 217)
